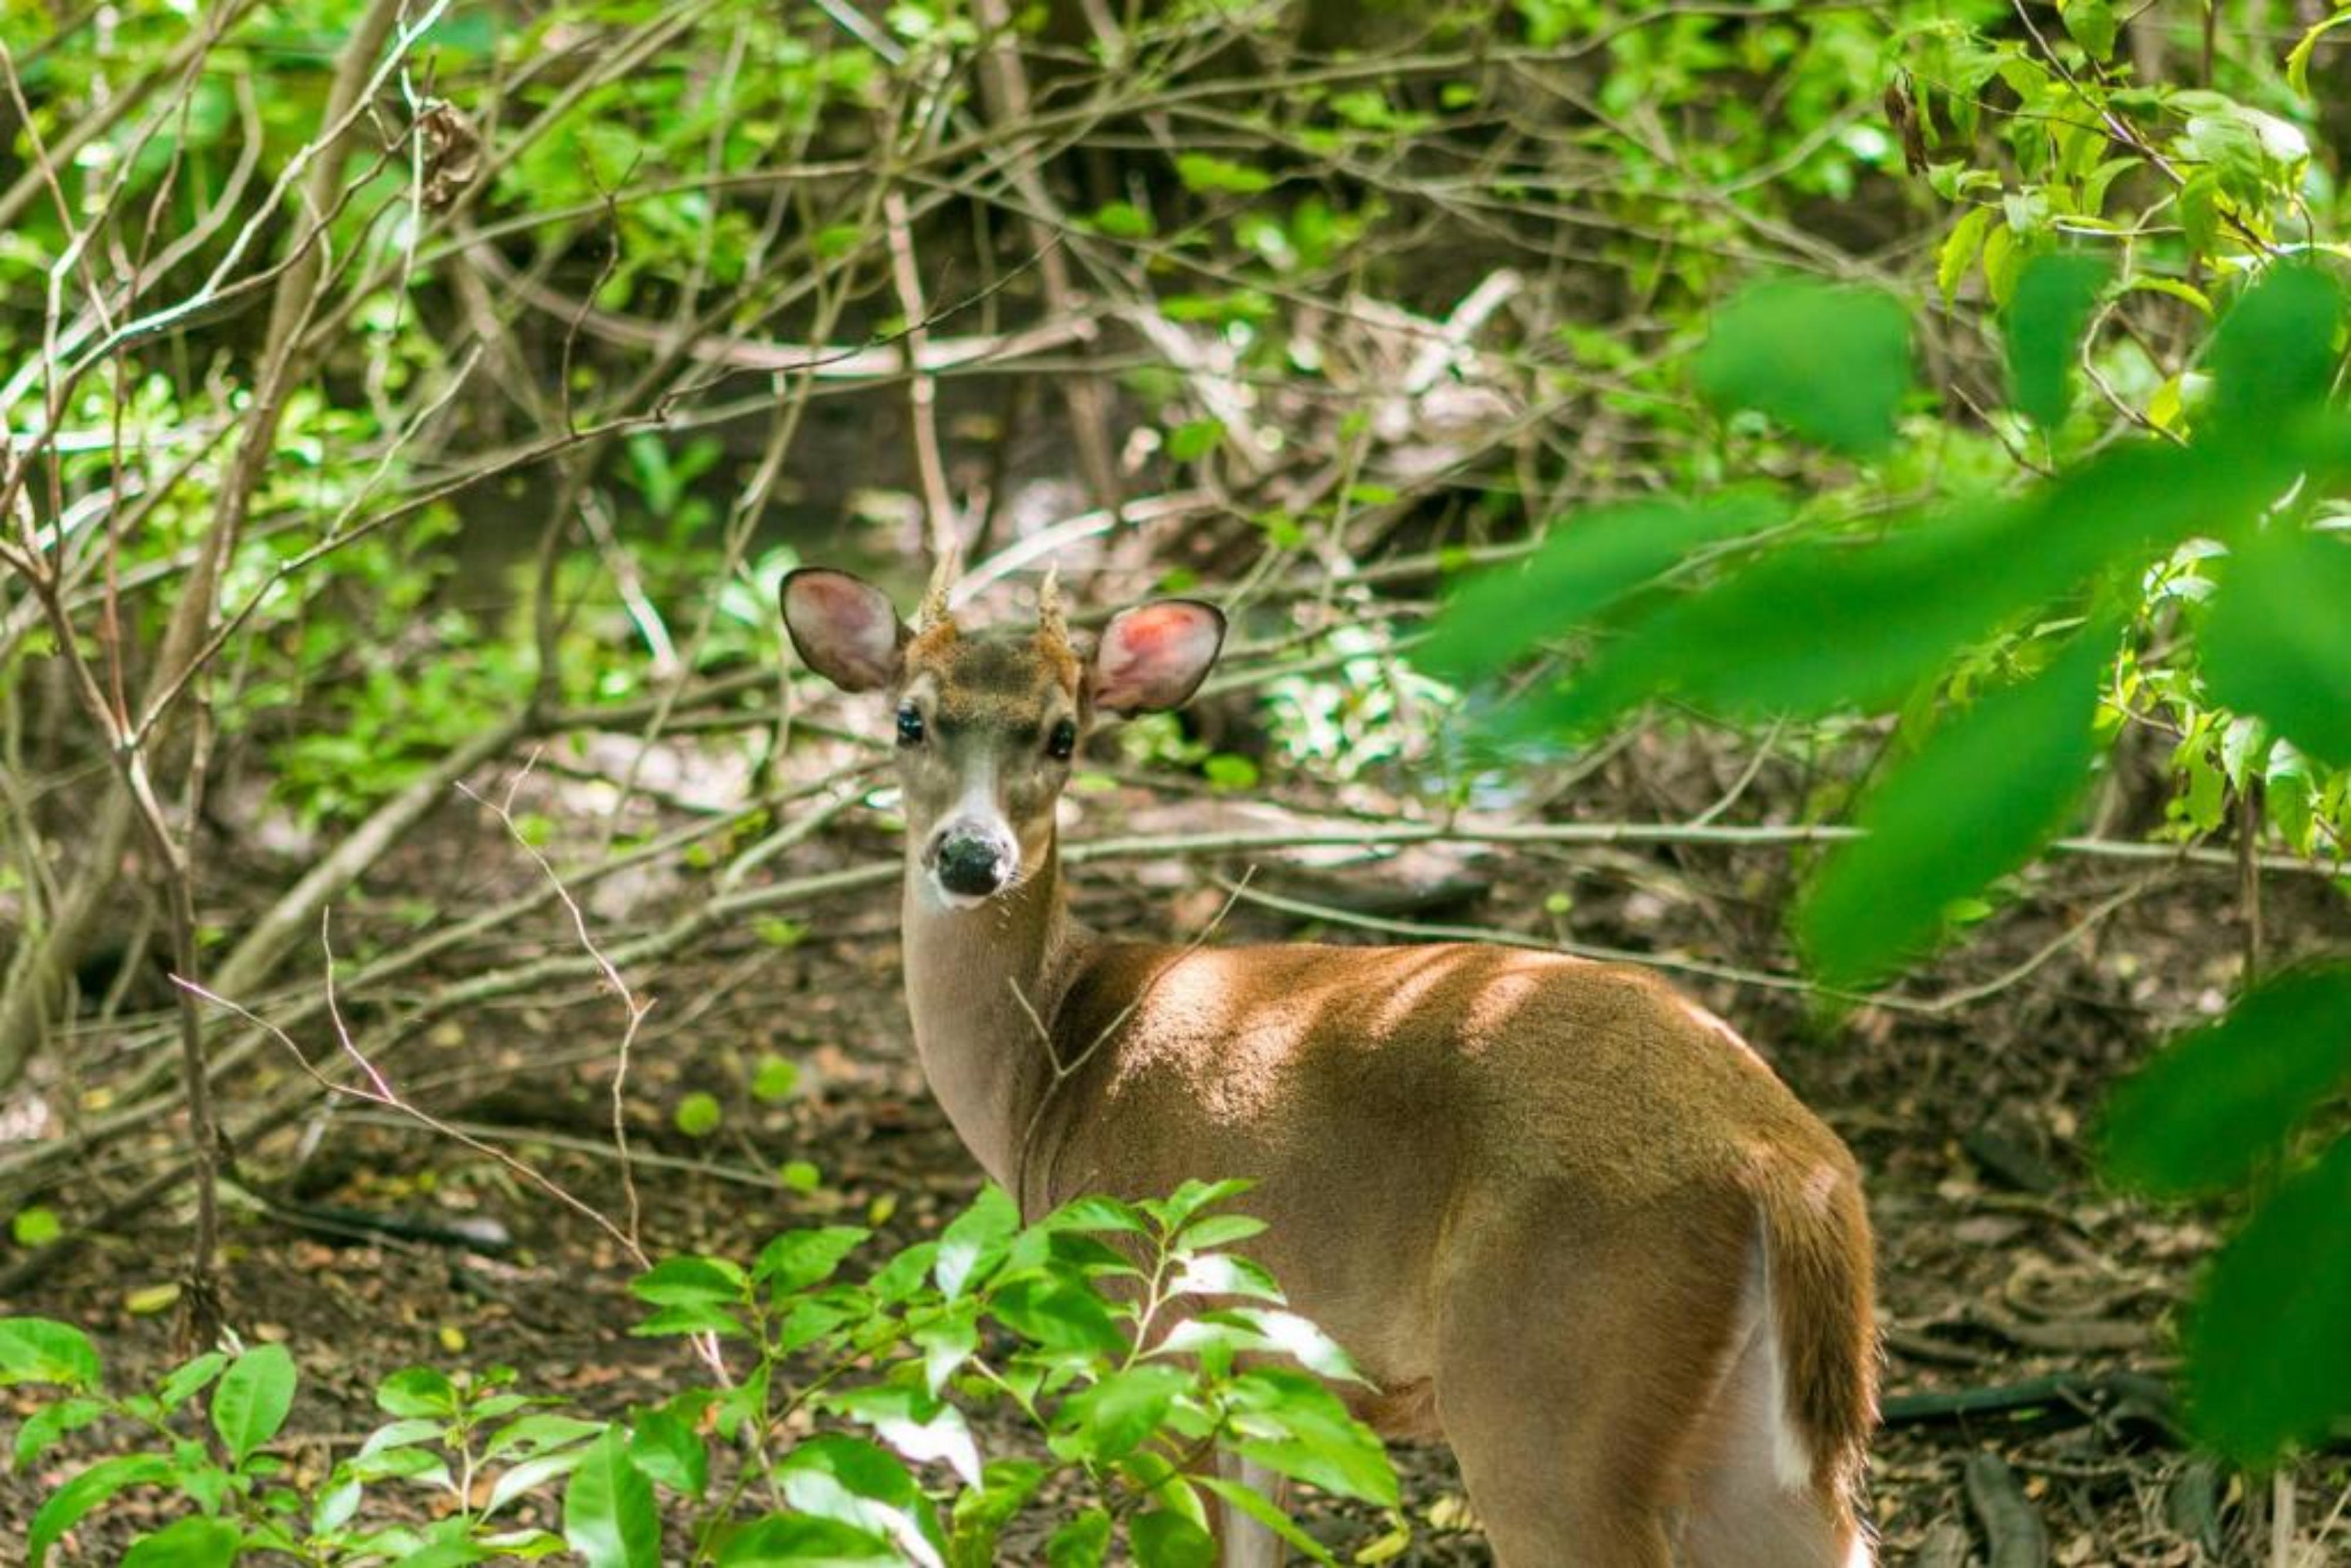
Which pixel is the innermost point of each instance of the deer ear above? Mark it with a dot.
(1154, 656)
(845, 628)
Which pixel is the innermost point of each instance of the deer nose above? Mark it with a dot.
(970, 864)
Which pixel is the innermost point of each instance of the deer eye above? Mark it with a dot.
(910, 726)
(1063, 742)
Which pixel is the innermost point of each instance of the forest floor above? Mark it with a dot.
(2010, 1282)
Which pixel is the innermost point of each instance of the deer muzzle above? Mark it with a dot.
(968, 861)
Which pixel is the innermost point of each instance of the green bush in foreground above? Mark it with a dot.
(838, 1433)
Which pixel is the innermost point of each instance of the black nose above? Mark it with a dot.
(970, 865)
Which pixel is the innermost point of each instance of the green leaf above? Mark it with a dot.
(40, 1350)
(775, 932)
(529, 1475)
(2092, 23)
(609, 1516)
(1058, 1316)
(1271, 1329)
(1121, 220)
(1218, 1230)
(1083, 1543)
(1112, 1419)
(1983, 792)
(68, 1504)
(1199, 172)
(799, 1259)
(2287, 794)
(1194, 440)
(776, 1079)
(2273, 356)
(670, 1452)
(902, 1277)
(1813, 628)
(1165, 1540)
(689, 1282)
(946, 1342)
(853, 1482)
(252, 1399)
(2278, 640)
(921, 1428)
(1960, 250)
(35, 1225)
(800, 1541)
(2214, 1104)
(2044, 319)
(2297, 59)
(539, 1431)
(405, 1433)
(335, 1505)
(976, 1242)
(51, 1422)
(1587, 562)
(2200, 212)
(700, 1317)
(1258, 1507)
(197, 1543)
(981, 1513)
(698, 1114)
(456, 1552)
(1094, 1212)
(189, 1378)
(1224, 1274)
(1292, 1424)
(1176, 1209)
(416, 1391)
(2269, 1362)
(1832, 365)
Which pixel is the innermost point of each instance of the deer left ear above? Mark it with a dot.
(845, 627)
(1154, 656)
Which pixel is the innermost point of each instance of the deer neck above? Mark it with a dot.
(983, 986)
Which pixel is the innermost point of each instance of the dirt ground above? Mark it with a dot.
(2001, 1261)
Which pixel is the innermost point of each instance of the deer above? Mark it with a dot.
(1562, 1219)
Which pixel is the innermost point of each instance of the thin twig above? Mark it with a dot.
(1065, 1070)
(636, 1009)
(379, 1092)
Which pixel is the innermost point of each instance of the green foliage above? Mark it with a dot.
(2045, 317)
(1820, 620)
(1123, 1334)
(2009, 768)
(699, 1114)
(2278, 643)
(1832, 365)
(36, 1350)
(1581, 571)
(2268, 1361)
(2222, 1102)
(252, 1398)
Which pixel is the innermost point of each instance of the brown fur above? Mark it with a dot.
(1534, 1197)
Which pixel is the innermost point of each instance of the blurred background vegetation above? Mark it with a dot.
(399, 396)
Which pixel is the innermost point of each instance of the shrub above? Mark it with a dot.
(832, 1424)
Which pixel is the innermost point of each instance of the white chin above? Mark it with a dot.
(947, 899)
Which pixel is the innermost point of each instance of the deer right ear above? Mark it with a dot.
(1154, 656)
(845, 628)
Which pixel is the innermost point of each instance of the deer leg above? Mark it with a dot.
(1572, 1382)
(1241, 1541)
(1753, 1499)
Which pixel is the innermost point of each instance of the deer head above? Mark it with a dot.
(986, 722)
